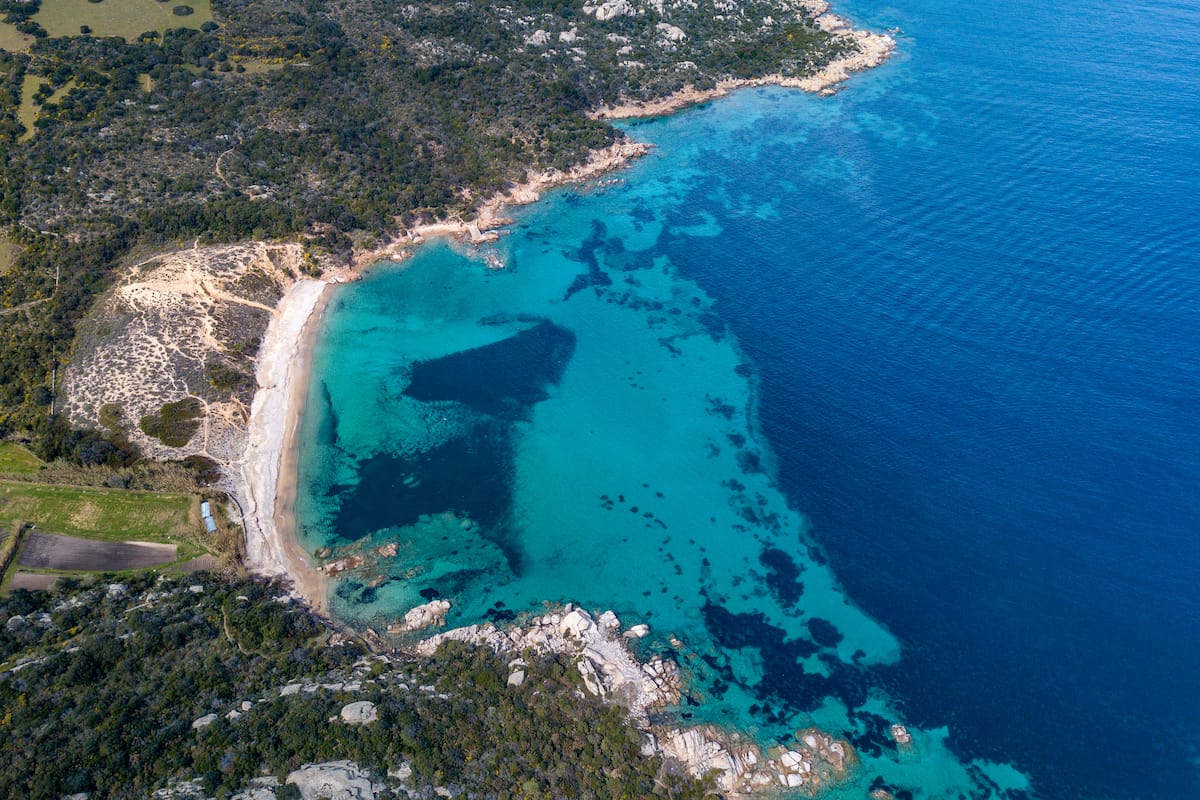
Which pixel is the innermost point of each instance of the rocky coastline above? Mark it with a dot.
(813, 761)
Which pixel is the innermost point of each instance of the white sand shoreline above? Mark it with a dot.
(271, 548)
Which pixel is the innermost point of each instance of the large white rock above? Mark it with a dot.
(576, 623)
(637, 631)
(671, 33)
(538, 37)
(343, 780)
(260, 789)
(699, 753)
(204, 722)
(611, 9)
(359, 713)
(432, 613)
(608, 621)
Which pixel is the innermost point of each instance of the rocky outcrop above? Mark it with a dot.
(670, 33)
(344, 780)
(701, 751)
(608, 669)
(203, 722)
(424, 616)
(815, 760)
(611, 10)
(359, 713)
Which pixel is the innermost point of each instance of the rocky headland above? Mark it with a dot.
(610, 671)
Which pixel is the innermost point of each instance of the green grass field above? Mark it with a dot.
(99, 522)
(126, 18)
(12, 39)
(8, 254)
(28, 112)
(108, 514)
(15, 459)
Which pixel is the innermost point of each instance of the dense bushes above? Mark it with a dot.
(356, 114)
(115, 707)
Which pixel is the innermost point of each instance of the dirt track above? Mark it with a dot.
(50, 551)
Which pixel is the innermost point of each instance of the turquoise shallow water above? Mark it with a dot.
(933, 340)
(524, 442)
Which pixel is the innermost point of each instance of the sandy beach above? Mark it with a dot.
(269, 467)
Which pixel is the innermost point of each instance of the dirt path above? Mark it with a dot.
(221, 174)
(23, 307)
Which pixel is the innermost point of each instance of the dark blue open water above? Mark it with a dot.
(941, 330)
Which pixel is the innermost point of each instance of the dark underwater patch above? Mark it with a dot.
(502, 379)
(783, 577)
(594, 274)
(824, 632)
(736, 631)
(875, 736)
(470, 475)
(327, 430)
(784, 679)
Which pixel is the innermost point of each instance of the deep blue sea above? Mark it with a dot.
(886, 405)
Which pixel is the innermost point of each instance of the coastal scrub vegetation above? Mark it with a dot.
(175, 423)
(111, 676)
(325, 118)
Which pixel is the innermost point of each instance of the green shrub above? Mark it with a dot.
(175, 423)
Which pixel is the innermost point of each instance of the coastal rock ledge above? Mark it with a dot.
(814, 760)
(608, 669)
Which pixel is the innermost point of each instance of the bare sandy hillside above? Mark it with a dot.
(180, 327)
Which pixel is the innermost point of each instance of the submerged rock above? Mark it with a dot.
(901, 735)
